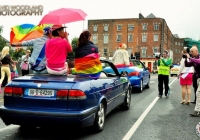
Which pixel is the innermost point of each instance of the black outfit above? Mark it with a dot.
(5, 60)
(85, 49)
(163, 79)
(25, 72)
(194, 80)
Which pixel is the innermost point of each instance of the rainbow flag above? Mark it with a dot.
(25, 32)
(88, 66)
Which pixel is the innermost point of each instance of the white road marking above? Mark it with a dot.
(141, 118)
(8, 127)
(151, 82)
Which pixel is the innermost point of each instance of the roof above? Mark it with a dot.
(151, 16)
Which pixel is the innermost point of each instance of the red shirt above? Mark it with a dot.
(56, 52)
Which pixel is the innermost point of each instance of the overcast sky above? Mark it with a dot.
(182, 16)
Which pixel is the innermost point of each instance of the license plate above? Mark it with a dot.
(41, 92)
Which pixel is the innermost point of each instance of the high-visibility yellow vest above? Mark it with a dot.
(164, 70)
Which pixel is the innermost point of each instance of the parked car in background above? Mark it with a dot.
(174, 70)
(67, 100)
(138, 74)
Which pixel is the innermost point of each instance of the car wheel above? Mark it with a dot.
(141, 86)
(99, 118)
(171, 75)
(127, 100)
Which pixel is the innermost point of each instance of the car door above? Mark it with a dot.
(145, 74)
(121, 84)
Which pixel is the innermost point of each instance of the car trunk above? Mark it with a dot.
(39, 92)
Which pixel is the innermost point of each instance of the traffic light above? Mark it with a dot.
(137, 55)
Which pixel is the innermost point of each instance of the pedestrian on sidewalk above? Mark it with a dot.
(185, 75)
(196, 64)
(195, 55)
(164, 64)
(25, 63)
(6, 60)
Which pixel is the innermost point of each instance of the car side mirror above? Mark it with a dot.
(147, 68)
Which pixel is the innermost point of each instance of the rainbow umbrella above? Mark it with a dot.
(25, 32)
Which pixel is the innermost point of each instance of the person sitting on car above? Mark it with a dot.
(56, 51)
(87, 60)
(37, 59)
(121, 57)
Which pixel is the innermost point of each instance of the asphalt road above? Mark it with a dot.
(149, 118)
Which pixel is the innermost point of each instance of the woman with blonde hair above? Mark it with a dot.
(5, 64)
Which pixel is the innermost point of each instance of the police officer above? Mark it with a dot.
(164, 64)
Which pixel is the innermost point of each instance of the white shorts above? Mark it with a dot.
(58, 71)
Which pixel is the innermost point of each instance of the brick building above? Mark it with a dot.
(178, 47)
(146, 35)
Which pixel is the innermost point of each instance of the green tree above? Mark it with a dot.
(74, 45)
(2, 41)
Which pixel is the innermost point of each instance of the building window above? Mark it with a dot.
(119, 27)
(175, 50)
(130, 27)
(129, 51)
(143, 52)
(105, 27)
(130, 38)
(156, 26)
(105, 39)
(105, 51)
(119, 38)
(181, 44)
(94, 39)
(144, 38)
(95, 28)
(144, 27)
(178, 43)
(175, 43)
(155, 38)
(155, 49)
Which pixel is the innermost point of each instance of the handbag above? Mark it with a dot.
(24, 66)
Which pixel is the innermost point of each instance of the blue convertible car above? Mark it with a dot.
(72, 101)
(138, 74)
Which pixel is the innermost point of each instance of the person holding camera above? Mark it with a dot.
(164, 64)
(25, 63)
(195, 54)
(185, 75)
(195, 62)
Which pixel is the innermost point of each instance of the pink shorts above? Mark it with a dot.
(187, 80)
